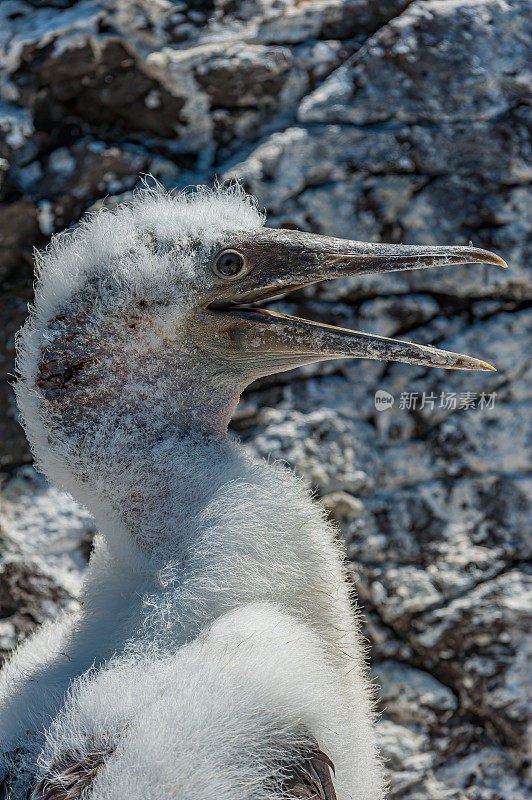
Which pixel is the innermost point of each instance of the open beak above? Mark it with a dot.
(280, 261)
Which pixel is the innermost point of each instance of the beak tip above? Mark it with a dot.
(472, 364)
(482, 366)
(488, 257)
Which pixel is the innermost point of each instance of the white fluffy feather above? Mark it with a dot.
(216, 637)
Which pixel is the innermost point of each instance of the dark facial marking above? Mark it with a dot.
(56, 372)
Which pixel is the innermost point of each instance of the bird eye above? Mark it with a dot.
(229, 265)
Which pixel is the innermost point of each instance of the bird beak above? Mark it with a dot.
(280, 261)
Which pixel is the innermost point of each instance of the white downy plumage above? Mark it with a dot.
(216, 645)
(215, 642)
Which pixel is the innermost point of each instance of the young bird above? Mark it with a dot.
(215, 654)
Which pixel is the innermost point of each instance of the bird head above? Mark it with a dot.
(252, 268)
(155, 310)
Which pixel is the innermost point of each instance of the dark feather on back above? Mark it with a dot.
(70, 777)
(310, 779)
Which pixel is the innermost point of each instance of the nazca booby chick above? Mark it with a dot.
(215, 655)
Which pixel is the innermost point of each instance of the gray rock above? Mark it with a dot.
(45, 540)
(342, 504)
(393, 121)
(19, 232)
(28, 597)
(438, 61)
(103, 86)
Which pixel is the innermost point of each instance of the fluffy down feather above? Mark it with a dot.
(215, 648)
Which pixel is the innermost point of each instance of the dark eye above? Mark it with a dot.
(229, 264)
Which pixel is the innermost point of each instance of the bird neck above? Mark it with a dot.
(137, 430)
(152, 493)
(147, 451)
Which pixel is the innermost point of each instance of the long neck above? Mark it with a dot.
(148, 443)
(154, 468)
(158, 490)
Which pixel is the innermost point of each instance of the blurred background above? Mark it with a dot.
(387, 121)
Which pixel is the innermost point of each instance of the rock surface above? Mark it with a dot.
(393, 121)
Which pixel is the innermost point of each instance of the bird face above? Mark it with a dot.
(251, 268)
(163, 298)
(152, 316)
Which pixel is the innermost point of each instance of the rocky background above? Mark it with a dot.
(384, 121)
